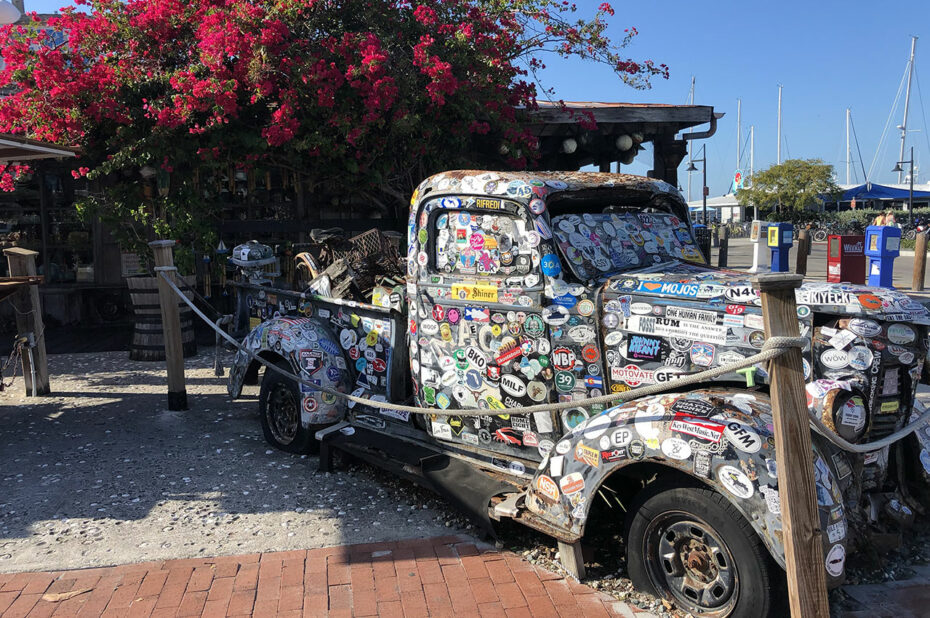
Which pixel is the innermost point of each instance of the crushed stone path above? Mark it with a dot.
(440, 576)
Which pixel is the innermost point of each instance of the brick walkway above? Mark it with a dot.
(444, 576)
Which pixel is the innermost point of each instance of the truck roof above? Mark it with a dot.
(506, 183)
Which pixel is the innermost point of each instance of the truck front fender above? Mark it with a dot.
(723, 439)
(307, 347)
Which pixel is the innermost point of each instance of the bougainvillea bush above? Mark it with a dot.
(364, 96)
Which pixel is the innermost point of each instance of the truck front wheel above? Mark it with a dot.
(279, 404)
(691, 546)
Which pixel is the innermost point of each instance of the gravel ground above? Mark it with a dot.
(101, 473)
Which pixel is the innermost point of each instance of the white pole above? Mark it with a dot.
(739, 125)
(907, 101)
(690, 142)
(752, 161)
(779, 125)
(848, 153)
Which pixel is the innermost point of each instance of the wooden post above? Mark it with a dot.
(920, 262)
(724, 234)
(22, 263)
(171, 323)
(807, 587)
(571, 559)
(803, 249)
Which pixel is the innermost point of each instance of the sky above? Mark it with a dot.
(827, 54)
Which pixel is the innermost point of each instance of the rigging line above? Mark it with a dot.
(894, 106)
(852, 125)
(923, 114)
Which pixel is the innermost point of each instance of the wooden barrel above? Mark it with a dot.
(148, 343)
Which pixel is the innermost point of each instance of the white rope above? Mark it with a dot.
(773, 347)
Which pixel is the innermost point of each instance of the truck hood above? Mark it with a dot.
(690, 281)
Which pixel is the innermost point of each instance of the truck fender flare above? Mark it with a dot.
(311, 350)
(722, 439)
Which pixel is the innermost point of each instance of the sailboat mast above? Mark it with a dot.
(690, 141)
(778, 160)
(739, 124)
(752, 161)
(907, 101)
(848, 152)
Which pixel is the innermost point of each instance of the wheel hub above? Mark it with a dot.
(688, 561)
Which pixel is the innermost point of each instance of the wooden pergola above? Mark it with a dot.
(22, 263)
(565, 145)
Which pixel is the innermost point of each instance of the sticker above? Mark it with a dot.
(572, 418)
(772, 500)
(735, 481)
(860, 357)
(667, 327)
(836, 532)
(901, 333)
(547, 489)
(866, 328)
(550, 265)
(852, 414)
(702, 354)
(676, 448)
(842, 339)
(743, 437)
(621, 437)
(701, 466)
(555, 315)
(587, 455)
(835, 560)
(476, 292)
(631, 375)
(563, 359)
(571, 483)
(585, 307)
(834, 359)
(643, 347)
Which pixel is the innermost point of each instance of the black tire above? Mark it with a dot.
(279, 405)
(740, 577)
(820, 235)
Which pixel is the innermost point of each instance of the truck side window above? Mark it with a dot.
(471, 243)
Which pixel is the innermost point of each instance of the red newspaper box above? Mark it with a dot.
(846, 259)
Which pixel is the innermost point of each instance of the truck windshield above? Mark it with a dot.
(597, 245)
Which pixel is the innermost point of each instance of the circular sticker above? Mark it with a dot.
(571, 419)
(550, 265)
(585, 307)
(834, 359)
(571, 483)
(735, 481)
(866, 328)
(901, 333)
(836, 559)
(860, 357)
(743, 437)
(563, 447)
(537, 206)
(555, 315)
(676, 448)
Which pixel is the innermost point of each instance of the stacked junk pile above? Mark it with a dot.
(365, 268)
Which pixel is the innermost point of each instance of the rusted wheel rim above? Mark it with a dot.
(283, 414)
(688, 560)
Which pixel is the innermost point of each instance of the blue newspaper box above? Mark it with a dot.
(781, 239)
(882, 246)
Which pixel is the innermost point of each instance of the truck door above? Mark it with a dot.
(480, 340)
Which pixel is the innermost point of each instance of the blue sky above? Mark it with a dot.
(827, 54)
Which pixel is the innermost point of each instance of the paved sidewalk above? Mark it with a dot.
(442, 576)
(908, 598)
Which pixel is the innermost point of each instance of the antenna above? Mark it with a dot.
(848, 153)
(739, 137)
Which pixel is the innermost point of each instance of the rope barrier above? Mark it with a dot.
(774, 346)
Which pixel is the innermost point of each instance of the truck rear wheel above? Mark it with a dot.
(279, 405)
(691, 546)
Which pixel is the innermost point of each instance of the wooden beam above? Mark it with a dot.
(571, 559)
(807, 587)
(22, 263)
(689, 115)
(920, 262)
(171, 323)
(804, 243)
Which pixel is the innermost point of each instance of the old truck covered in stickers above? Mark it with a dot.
(553, 288)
